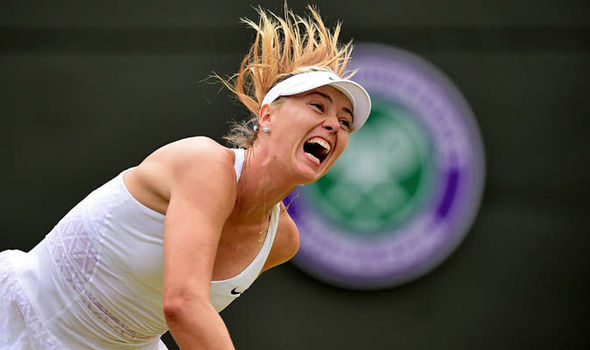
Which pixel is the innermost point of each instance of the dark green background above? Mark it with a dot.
(90, 88)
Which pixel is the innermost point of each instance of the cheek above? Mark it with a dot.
(344, 142)
(338, 152)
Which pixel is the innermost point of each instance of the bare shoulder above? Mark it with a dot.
(181, 167)
(191, 151)
(286, 242)
(289, 232)
(197, 160)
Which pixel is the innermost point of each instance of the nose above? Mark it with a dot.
(331, 124)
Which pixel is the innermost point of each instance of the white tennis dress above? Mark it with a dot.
(96, 280)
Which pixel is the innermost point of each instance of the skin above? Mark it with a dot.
(213, 225)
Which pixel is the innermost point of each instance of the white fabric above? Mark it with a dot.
(96, 279)
(296, 84)
(240, 154)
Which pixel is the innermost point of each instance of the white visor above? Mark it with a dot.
(361, 102)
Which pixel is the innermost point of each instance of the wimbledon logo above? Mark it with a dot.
(406, 190)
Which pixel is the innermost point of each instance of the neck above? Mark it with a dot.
(262, 185)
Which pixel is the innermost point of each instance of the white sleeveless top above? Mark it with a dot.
(96, 280)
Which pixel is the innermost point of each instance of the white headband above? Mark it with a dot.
(361, 102)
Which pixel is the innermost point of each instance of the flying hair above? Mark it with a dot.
(283, 46)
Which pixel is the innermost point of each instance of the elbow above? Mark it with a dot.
(179, 306)
(173, 308)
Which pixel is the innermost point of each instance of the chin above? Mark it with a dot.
(308, 175)
(306, 178)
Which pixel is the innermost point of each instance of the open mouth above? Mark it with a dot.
(317, 148)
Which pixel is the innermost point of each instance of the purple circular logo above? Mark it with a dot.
(405, 192)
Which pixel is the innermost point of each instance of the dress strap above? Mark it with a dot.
(239, 162)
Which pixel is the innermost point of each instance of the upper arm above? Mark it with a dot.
(202, 190)
(286, 242)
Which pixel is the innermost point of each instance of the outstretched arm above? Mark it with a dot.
(200, 179)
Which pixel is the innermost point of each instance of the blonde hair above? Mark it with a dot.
(283, 46)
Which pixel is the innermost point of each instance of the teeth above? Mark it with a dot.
(321, 142)
(314, 157)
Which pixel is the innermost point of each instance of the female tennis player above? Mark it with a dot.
(169, 243)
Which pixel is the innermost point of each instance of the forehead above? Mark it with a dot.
(335, 95)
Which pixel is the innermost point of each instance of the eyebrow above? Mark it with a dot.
(346, 109)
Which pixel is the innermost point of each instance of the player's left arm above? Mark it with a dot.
(286, 243)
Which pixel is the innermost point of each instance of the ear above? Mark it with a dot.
(264, 116)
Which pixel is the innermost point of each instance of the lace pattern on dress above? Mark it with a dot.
(11, 293)
(75, 253)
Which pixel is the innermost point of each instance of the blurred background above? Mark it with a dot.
(88, 89)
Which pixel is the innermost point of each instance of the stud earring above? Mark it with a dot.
(266, 129)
